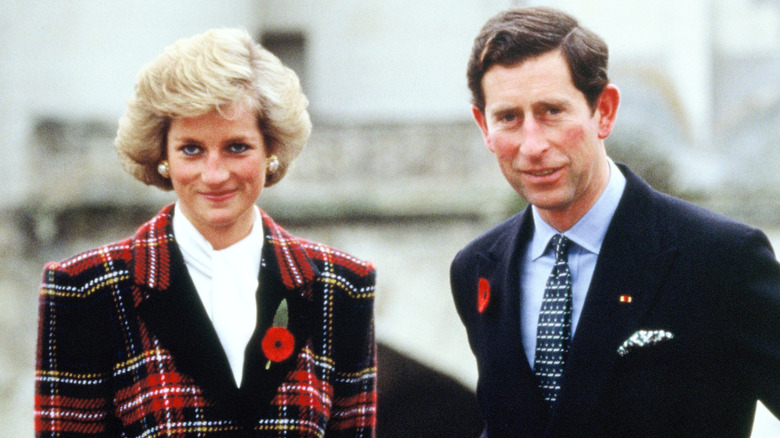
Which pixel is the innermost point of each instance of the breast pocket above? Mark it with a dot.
(661, 376)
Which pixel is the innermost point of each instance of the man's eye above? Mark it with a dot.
(508, 118)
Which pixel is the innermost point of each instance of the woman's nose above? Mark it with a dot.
(216, 170)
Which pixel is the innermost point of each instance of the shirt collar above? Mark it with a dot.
(195, 249)
(198, 252)
(588, 233)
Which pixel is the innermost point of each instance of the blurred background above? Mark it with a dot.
(395, 170)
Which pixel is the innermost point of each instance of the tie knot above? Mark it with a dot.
(560, 245)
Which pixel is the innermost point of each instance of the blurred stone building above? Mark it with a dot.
(395, 170)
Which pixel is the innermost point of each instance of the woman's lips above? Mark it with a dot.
(218, 196)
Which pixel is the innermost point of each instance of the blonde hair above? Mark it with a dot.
(204, 73)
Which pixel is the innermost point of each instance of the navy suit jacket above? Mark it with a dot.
(665, 264)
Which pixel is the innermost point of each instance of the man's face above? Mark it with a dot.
(548, 141)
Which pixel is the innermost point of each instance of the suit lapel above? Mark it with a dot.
(520, 396)
(501, 265)
(632, 264)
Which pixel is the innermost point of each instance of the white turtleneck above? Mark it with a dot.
(227, 281)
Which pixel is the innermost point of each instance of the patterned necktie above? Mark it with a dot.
(553, 333)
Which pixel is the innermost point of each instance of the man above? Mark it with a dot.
(646, 315)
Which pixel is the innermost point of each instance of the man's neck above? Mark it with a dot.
(565, 218)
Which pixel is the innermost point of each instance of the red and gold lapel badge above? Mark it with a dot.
(483, 294)
(626, 298)
(278, 343)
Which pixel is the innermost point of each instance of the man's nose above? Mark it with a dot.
(532, 140)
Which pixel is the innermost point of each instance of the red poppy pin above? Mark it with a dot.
(278, 343)
(483, 294)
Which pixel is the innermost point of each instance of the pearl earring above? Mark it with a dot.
(272, 165)
(163, 169)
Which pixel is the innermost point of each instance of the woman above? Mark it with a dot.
(212, 320)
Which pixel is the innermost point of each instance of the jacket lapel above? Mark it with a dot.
(173, 312)
(171, 308)
(632, 264)
(288, 273)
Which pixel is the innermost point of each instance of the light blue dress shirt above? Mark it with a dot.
(586, 235)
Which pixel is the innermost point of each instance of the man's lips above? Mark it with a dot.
(541, 173)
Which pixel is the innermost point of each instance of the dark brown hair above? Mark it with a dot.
(517, 34)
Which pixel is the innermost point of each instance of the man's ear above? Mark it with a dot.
(607, 108)
(479, 117)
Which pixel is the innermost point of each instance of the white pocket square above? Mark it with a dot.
(643, 338)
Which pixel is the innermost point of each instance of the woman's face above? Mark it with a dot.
(217, 168)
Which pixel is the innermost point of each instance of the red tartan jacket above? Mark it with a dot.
(125, 347)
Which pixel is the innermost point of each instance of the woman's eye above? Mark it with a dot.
(237, 148)
(190, 149)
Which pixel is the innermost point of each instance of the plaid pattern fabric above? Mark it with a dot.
(101, 368)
